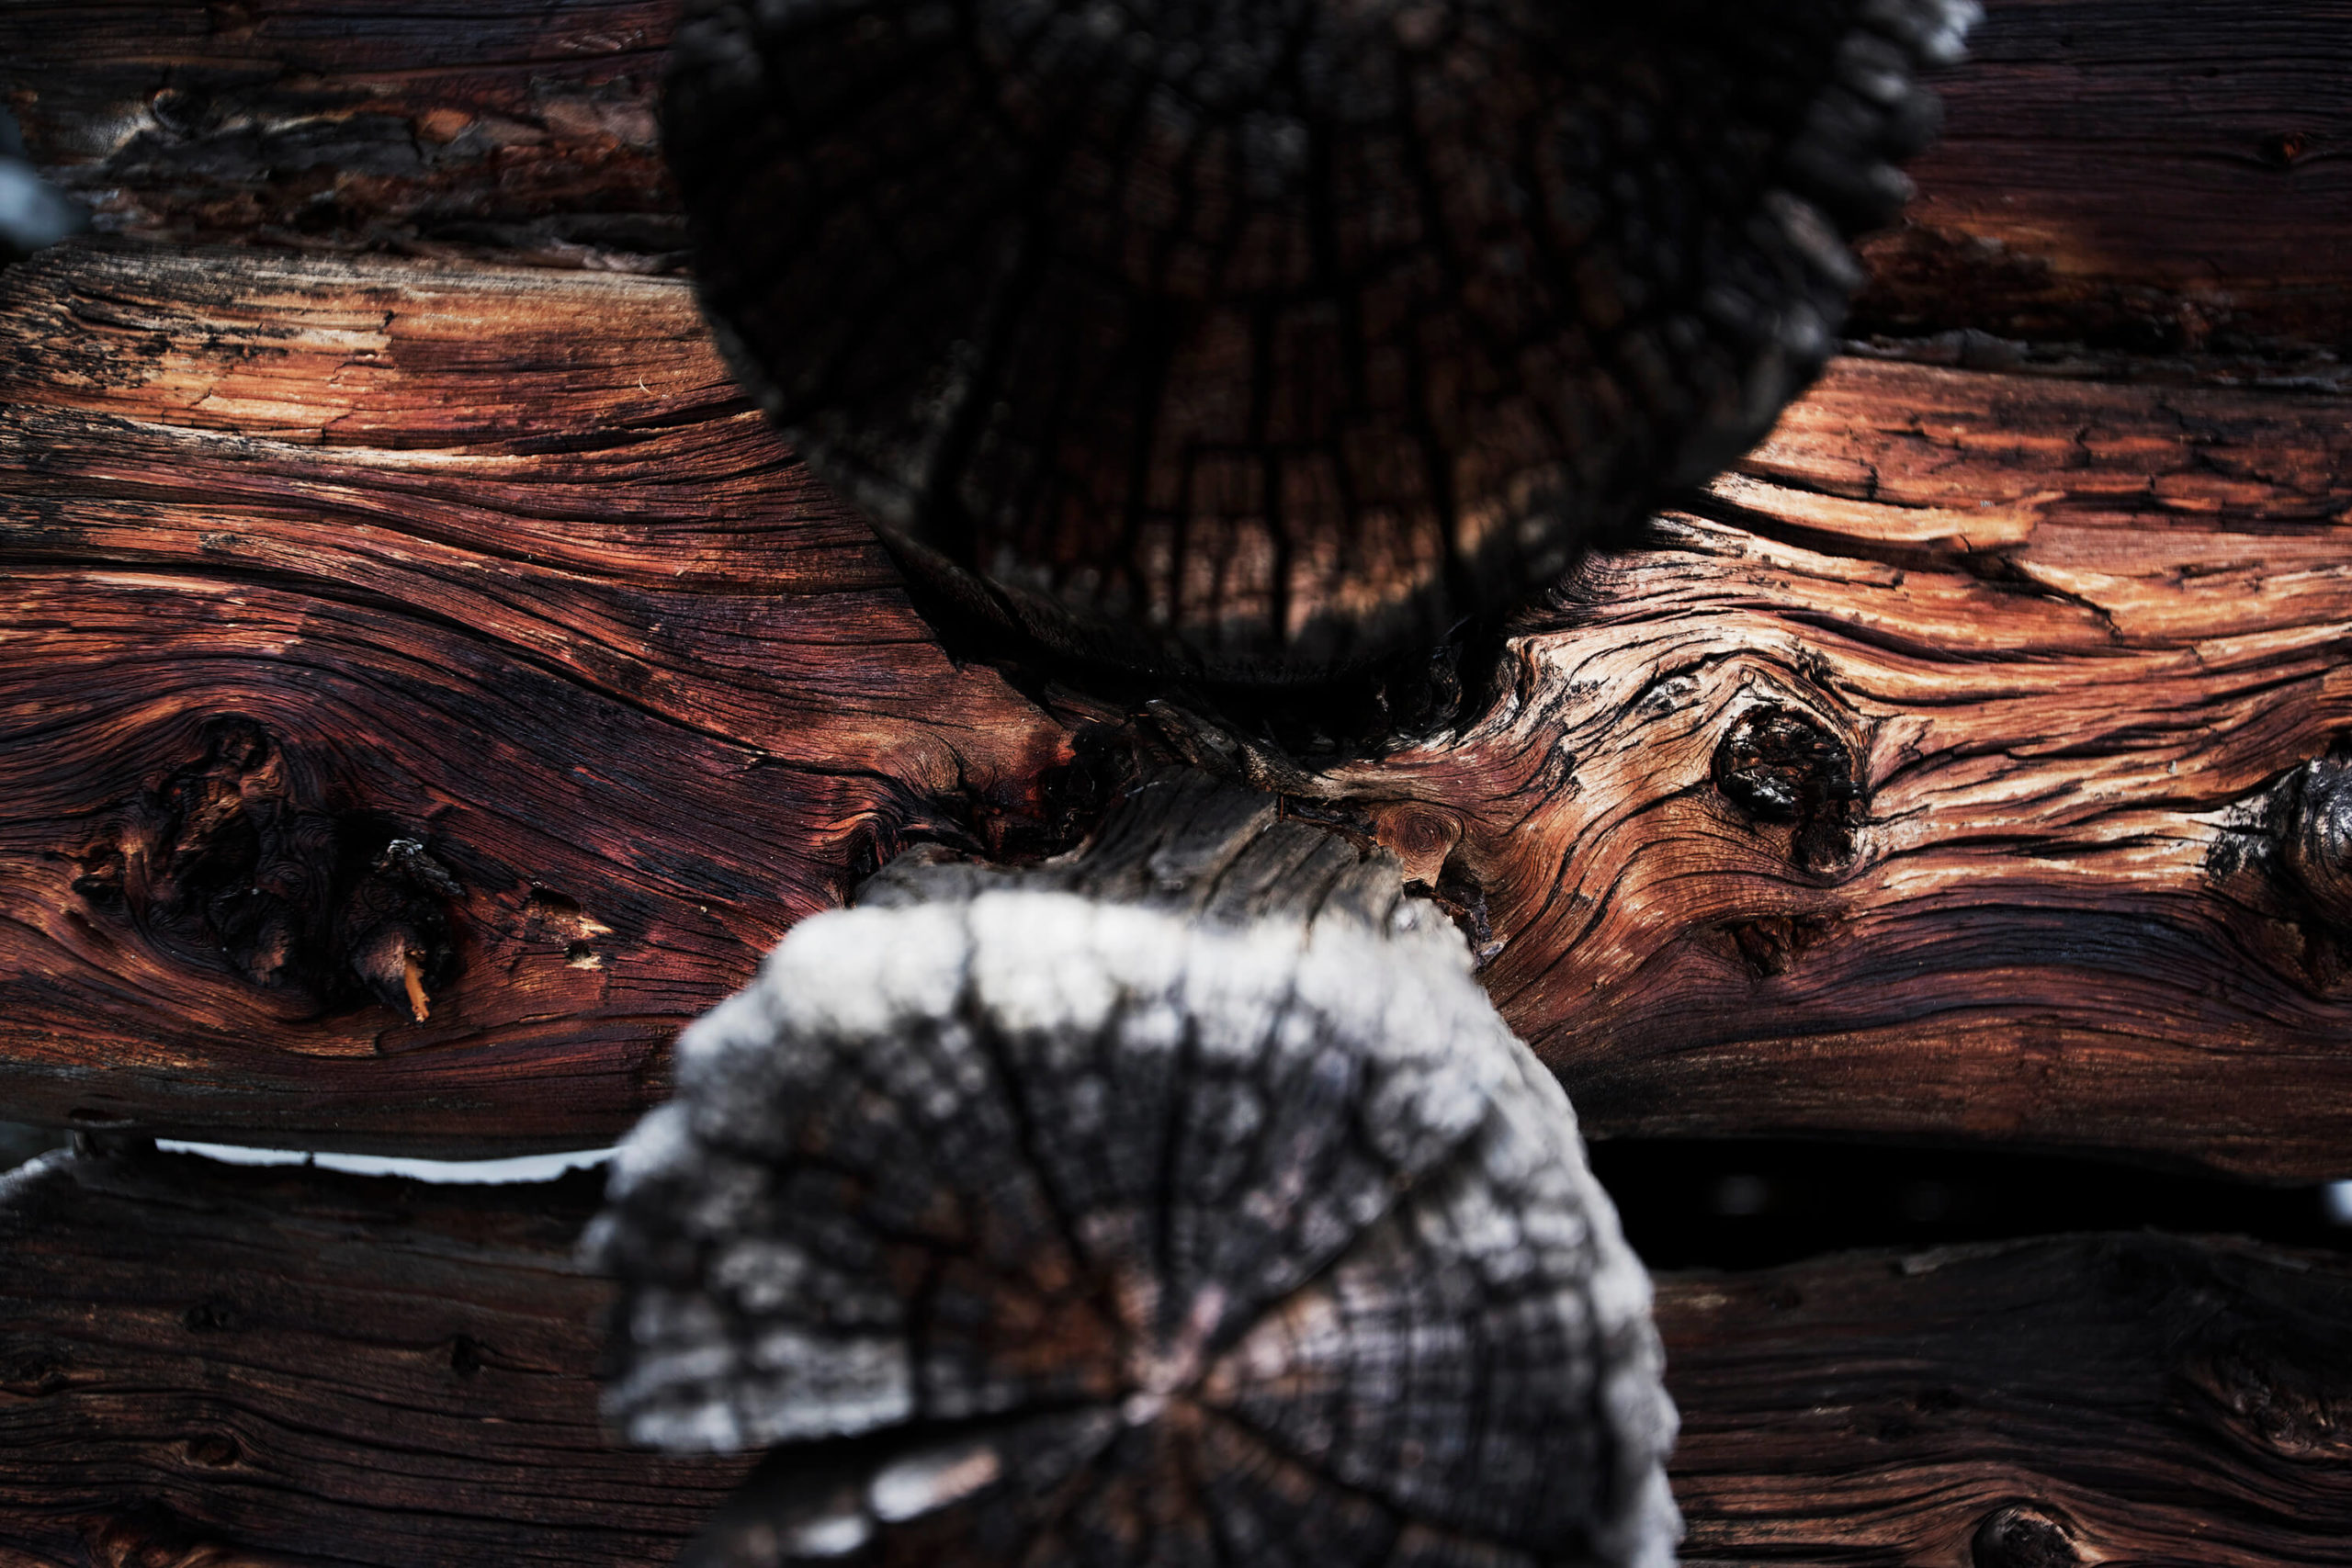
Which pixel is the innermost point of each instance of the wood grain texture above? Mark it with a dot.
(208, 1366)
(1933, 775)
(491, 564)
(2153, 177)
(215, 1365)
(2156, 176)
(2142, 1399)
(510, 125)
(1958, 767)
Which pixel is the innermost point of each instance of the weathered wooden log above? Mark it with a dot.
(206, 1364)
(632, 695)
(2148, 176)
(1267, 340)
(202, 1364)
(1178, 1201)
(1959, 738)
(2118, 1399)
(1962, 767)
(512, 124)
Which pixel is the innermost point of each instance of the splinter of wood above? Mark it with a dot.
(1181, 1201)
(413, 976)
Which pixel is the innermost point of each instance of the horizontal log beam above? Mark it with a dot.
(2151, 178)
(294, 1364)
(1965, 763)
(1962, 767)
(2080, 1399)
(377, 623)
(509, 125)
(202, 1364)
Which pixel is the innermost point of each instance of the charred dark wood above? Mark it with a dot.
(204, 1365)
(2151, 177)
(2078, 1400)
(1848, 801)
(511, 126)
(1266, 340)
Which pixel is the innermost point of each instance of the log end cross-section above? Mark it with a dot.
(1269, 340)
(1048, 1228)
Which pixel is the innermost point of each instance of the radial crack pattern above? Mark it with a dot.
(1038, 1228)
(1263, 338)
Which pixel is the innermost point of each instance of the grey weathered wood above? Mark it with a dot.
(1225, 1221)
(1189, 843)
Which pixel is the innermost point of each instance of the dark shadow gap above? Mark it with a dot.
(1755, 1204)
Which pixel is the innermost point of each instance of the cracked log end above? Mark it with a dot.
(1046, 1229)
(1264, 341)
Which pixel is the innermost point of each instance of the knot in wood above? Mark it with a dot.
(1043, 1229)
(2022, 1536)
(2275, 1384)
(1265, 340)
(2315, 838)
(233, 858)
(2282, 149)
(1781, 765)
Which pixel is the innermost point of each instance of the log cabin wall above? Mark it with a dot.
(428, 684)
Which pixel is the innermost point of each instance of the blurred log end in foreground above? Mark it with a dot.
(1196, 1207)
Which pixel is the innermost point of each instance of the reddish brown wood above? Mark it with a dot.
(2063, 646)
(208, 1366)
(495, 562)
(2152, 176)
